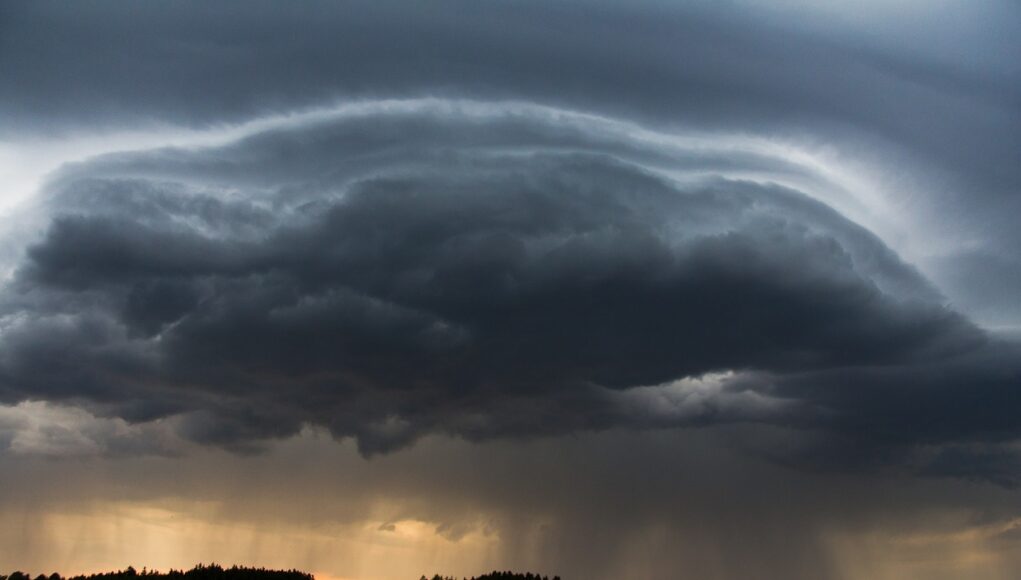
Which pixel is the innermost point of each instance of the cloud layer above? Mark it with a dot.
(482, 270)
(600, 289)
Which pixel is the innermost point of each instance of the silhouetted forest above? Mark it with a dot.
(214, 572)
(494, 575)
(200, 572)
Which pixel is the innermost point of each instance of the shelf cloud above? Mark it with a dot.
(612, 290)
(482, 270)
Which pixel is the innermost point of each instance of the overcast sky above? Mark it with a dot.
(641, 290)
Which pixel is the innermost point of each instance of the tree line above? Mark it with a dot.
(496, 575)
(215, 572)
(200, 572)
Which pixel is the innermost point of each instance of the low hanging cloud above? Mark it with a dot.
(488, 270)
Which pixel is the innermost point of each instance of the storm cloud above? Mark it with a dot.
(616, 290)
(481, 270)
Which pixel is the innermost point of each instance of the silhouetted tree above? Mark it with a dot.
(496, 575)
(200, 572)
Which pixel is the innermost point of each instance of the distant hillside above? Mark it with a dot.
(494, 575)
(200, 572)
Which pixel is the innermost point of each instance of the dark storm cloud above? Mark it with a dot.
(505, 270)
(482, 270)
(943, 97)
(602, 273)
(693, 63)
(955, 416)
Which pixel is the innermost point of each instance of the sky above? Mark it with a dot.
(646, 290)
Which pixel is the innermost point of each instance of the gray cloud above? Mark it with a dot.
(483, 271)
(935, 102)
(607, 290)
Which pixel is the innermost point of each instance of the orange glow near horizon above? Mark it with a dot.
(174, 534)
(177, 535)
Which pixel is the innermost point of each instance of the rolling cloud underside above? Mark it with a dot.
(491, 270)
